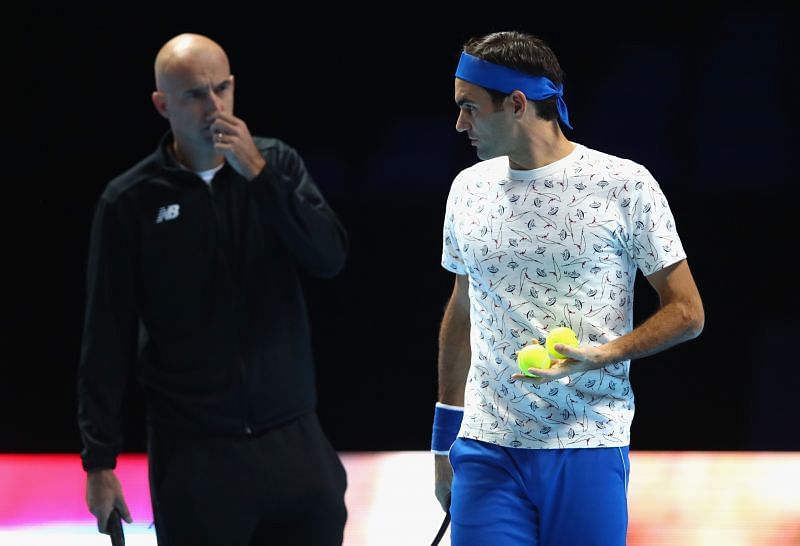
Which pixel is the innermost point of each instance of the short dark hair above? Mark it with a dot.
(523, 52)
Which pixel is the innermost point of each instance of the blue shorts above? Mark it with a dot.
(538, 497)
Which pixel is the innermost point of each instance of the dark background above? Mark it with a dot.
(703, 96)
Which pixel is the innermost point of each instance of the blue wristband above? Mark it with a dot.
(446, 424)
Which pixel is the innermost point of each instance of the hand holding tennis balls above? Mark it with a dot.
(532, 356)
(562, 335)
(542, 356)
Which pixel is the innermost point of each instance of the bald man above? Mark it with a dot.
(193, 284)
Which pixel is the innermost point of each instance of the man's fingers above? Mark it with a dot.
(102, 520)
(444, 501)
(103, 515)
(568, 351)
(232, 127)
(539, 380)
(124, 512)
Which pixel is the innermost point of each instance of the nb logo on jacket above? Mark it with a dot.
(170, 212)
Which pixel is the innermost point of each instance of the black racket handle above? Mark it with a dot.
(114, 528)
(442, 529)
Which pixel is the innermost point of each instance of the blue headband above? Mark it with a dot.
(504, 79)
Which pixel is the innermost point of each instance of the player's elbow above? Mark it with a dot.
(696, 327)
(694, 319)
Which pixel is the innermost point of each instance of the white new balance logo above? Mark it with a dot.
(169, 212)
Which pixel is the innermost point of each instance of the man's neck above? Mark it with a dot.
(196, 162)
(542, 146)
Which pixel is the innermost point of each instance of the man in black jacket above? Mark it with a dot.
(193, 284)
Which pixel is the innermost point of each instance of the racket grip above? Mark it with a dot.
(442, 529)
(114, 527)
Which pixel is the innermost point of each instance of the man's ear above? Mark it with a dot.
(519, 103)
(160, 102)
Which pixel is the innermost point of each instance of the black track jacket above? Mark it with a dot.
(199, 293)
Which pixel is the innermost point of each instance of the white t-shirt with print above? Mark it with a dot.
(555, 246)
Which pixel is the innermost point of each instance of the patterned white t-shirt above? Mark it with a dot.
(555, 246)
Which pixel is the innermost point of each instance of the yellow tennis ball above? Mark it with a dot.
(532, 356)
(562, 335)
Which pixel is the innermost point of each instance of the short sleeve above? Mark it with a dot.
(452, 258)
(652, 237)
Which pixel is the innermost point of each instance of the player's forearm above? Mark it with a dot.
(454, 354)
(672, 324)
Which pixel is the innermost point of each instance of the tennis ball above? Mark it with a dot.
(532, 356)
(563, 335)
